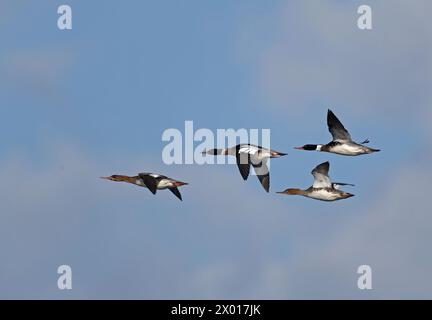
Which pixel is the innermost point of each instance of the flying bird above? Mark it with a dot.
(322, 189)
(248, 155)
(151, 181)
(341, 143)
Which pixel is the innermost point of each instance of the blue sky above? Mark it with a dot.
(95, 101)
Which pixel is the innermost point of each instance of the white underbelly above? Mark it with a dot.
(324, 195)
(347, 149)
(164, 184)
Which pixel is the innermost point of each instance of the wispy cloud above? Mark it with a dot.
(227, 239)
(316, 55)
(36, 71)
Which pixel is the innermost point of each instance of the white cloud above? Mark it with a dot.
(391, 234)
(119, 236)
(228, 239)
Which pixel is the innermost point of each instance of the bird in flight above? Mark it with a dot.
(248, 155)
(322, 189)
(151, 181)
(341, 143)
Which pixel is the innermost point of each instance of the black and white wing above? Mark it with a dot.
(320, 173)
(150, 180)
(243, 161)
(176, 192)
(263, 174)
(336, 128)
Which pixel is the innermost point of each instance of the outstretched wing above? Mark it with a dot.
(320, 173)
(149, 181)
(336, 128)
(176, 192)
(243, 163)
(263, 175)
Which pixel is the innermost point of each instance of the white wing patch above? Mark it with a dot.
(164, 183)
(321, 181)
(248, 149)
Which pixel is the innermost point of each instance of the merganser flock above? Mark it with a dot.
(248, 155)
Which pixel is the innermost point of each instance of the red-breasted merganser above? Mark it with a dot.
(322, 189)
(342, 142)
(151, 181)
(247, 155)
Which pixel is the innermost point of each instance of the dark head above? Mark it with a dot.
(308, 147)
